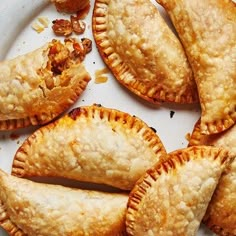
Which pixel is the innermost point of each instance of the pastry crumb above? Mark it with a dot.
(40, 24)
(188, 136)
(44, 21)
(100, 75)
(101, 79)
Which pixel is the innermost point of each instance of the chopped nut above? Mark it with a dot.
(87, 44)
(79, 51)
(78, 25)
(62, 27)
(49, 83)
(58, 55)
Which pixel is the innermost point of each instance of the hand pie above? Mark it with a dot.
(142, 52)
(38, 86)
(221, 212)
(29, 208)
(92, 144)
(207, 30)
(172, 197)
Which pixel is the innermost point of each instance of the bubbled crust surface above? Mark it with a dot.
(221, 212)
(172, 197)
(25, 97)
(29, 208)
(207, 31)
(142, 52)
(93, 144)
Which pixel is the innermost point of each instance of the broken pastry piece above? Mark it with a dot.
(70, 6)
(91, 144)
(29, 208)
(207, 30)
(221, 213)
(172, 197)
(38, 86)
(142, 52)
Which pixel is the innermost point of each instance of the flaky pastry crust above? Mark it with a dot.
(142, 52)
(29, 208)
(207, 30)
(221, 213)
(172, 197)
(92, 144)
(38, 86)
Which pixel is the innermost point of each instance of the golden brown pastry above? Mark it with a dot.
(29, 208)
(207, 29)
(70, 6)
(221, 212)
(38, 86)
(172, 197)
(142, 52)
(92, 144)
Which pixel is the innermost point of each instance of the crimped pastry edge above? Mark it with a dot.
(174, 160)
(109, 114)
(7, 224)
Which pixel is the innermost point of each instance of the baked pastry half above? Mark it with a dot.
(141, 51)
(172, 197)
(207, 30)
(92, 144)
(38, 86)
(221, 213)
(29, 208)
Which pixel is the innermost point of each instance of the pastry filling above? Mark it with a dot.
(63, 56)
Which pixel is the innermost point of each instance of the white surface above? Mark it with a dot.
(17, 37)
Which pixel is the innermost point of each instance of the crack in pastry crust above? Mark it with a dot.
(92, 144)
(142, 52)
(38, 86)
(172, 197)
(207, 30)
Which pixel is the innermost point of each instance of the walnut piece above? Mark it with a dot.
(62, 27)
(78, 25)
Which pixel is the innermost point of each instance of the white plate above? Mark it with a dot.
(17, 37)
